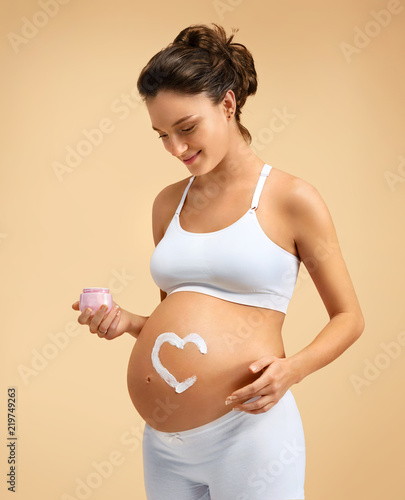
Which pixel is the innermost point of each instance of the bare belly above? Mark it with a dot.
(235, 335)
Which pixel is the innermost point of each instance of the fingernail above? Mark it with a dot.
(229, 400)
(254, 368)
(88, 311)
(236, 409)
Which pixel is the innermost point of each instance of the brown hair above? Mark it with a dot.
(202, 59)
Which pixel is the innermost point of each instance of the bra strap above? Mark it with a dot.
(258, 191)
(184, 195)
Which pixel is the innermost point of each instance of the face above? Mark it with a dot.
(192, 128)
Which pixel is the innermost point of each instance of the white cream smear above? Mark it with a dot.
(178, 342)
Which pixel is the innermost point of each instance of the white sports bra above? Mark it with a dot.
(239, 263)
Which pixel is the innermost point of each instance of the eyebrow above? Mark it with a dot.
(178, 121)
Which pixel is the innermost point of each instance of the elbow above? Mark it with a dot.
(359, 324)
(354, 322)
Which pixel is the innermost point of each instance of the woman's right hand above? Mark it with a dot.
(114, 324)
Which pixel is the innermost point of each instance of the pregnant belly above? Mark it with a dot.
(192, 353)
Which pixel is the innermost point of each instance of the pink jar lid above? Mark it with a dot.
(96, 290)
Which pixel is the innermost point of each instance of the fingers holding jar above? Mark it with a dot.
(106, 326)
(104, 317)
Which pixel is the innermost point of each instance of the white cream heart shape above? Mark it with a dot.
(178, 342)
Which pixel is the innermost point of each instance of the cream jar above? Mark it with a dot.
(94, 298)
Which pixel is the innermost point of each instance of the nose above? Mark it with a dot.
(177, 147)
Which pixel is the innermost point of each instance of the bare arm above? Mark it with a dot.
(158, 217)
(163, 210)
(320, 252)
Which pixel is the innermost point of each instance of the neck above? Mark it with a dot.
(237, 166)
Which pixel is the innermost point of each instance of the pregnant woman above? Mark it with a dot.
(208, 372)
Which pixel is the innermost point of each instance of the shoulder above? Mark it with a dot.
(169, 197)
(305, 212)
(164, 206)
(299, 198)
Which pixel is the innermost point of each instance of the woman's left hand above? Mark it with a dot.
(276, 379)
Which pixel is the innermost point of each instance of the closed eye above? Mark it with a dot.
(188, 129)
(163, 136)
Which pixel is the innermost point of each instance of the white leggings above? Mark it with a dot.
(239, 456)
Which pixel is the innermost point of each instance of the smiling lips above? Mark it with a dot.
(190, 160)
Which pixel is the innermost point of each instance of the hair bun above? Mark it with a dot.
(216, 42)
(202, 37)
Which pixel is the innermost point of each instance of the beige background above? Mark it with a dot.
(92, 226)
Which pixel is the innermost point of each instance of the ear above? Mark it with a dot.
(229, 104)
